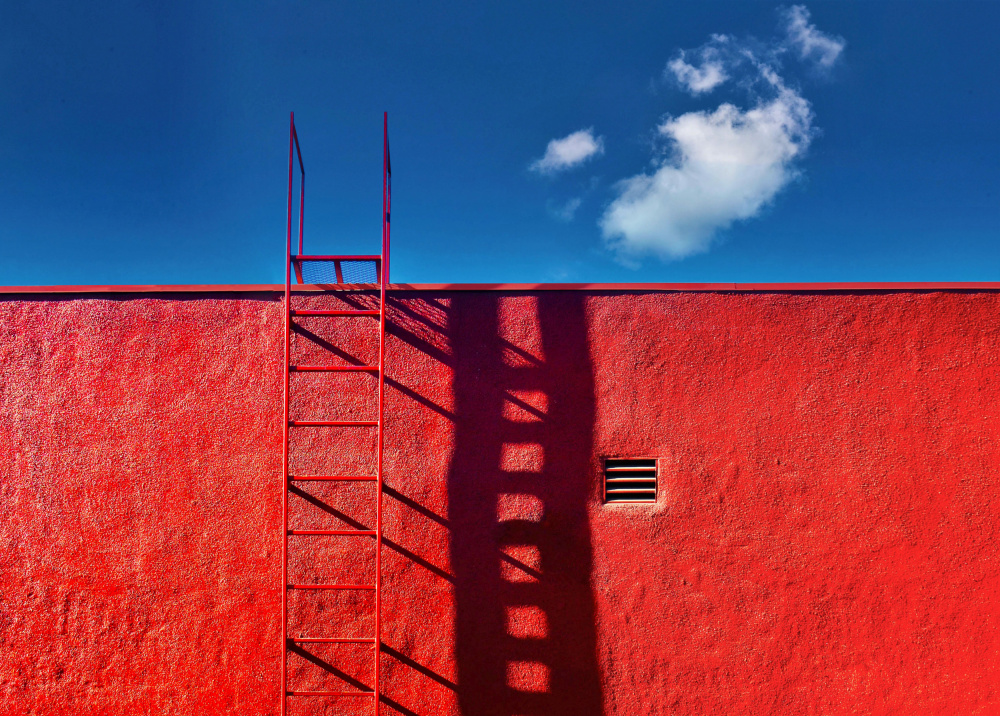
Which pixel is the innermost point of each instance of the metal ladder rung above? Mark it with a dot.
(333, 423)
(346, 533)
(333, 368)
(300, 312)
(329, 693)
(333, 478)
(306, 257)
(350, 587)
(322, 640)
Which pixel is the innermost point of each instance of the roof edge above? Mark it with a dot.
(626, 287)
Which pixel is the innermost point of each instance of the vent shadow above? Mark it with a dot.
(630, 479)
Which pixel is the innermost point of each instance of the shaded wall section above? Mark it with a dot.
(822, 541)
(518, 489)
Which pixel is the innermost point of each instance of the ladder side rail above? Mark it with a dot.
(382, 277)
(292, 145)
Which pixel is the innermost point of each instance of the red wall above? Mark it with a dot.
(822, 542)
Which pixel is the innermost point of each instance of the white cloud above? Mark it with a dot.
(726, 166)
(708, 75)
(810, 42)
(569, 152)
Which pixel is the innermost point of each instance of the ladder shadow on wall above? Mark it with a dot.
(519, 487)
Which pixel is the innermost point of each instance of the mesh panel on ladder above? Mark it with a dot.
(339, 271)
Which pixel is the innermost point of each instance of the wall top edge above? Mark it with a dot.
(624, 287)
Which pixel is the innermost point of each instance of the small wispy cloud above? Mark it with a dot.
(810, 43)
(565, 212)
(569, 152)
(709, 73)
(723, 166)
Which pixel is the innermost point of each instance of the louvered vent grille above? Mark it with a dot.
(630, 480)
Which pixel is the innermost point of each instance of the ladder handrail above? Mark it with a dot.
(386, 198)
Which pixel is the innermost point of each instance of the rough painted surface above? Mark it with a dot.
(822, 542)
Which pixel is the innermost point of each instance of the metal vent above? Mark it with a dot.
(630, 479)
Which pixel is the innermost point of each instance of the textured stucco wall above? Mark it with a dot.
(823, 542)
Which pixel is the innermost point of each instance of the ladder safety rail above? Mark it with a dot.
(347, 269)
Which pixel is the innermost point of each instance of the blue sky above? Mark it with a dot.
(146, 142)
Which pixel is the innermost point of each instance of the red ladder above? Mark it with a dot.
(345, 271)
